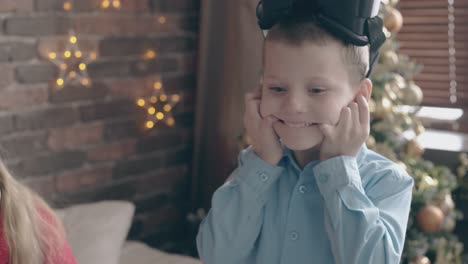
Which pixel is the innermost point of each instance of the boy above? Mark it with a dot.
(308, 190)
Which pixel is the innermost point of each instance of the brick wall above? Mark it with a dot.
(81, 144)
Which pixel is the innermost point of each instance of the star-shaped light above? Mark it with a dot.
(159, 106)
(72, 63)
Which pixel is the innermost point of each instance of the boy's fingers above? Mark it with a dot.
(252, 107)
(326, 129)
(269, 120)
(254, 94)
(354, 114)
(249, 96)
(257, 92)
(344, 118)
(364, 113)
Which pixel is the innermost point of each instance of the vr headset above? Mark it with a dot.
(353, 21)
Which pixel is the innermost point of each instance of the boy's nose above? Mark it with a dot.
(295, 104)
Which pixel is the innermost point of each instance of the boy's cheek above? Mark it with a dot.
(266, 107)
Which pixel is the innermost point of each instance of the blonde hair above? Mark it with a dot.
(31, 230)
(296, 31)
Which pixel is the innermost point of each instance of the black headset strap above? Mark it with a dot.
(376, 38)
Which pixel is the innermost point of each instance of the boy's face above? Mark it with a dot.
(303, 86)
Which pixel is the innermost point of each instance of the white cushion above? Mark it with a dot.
(138, 253)
(97, 231)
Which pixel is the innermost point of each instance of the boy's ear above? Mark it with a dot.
(365, 89)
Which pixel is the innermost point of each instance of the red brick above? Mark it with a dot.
(137, 46)
(75, 92)
(175, 6)
(165, 215)
(75, 137)
(165, 179)
(92, 5)
(129, 88)
(83, 178)
(124, 24)
(44, 186)
(35, 73)
(23, 97)
(115, 109)
(49, 163)
(36, 25)
(7, 75)
(7, 123)
(46, 117)
(17, 51)
(16, 5)
(187, 63)
(112, 152)
(23, 145)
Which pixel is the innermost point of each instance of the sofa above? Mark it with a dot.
(97, 234)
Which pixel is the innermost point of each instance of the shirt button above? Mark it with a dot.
(263, 177)
(294, 235)
(302, 189)
(323, 178)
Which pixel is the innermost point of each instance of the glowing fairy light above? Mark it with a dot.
(159, 105)
(72, 63)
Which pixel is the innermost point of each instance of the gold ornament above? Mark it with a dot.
(399, 81)
(414, 149)
(411, 94)
(449, 224)
(446, 203)
(427, 182)
(430, 218)
(393, 21)
(420, 260)
(389, 58)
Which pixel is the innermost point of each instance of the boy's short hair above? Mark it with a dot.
(296, 32)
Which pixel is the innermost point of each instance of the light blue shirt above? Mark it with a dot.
(342, 210)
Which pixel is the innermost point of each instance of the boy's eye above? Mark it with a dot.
(277, 89)
(316, 90)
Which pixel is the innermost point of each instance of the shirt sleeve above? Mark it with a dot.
(365, 225)
(228, 233)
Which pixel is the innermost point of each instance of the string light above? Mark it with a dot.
(162, 20)
(72, 63)
(67, 6)
(150, 54)
(106, 4)
(159, 105)
(73, 39)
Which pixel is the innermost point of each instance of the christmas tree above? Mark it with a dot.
(394, 128)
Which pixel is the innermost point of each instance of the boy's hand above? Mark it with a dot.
(352, 130)
(265, 142)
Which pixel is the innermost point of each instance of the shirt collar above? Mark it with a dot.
(361, 156)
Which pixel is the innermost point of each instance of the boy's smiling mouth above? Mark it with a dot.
(297, 124)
